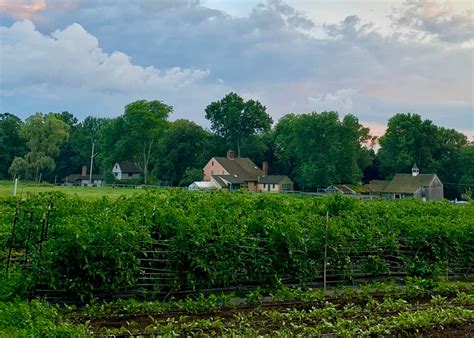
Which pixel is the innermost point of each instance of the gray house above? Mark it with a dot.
(423, 186)
(125, 170)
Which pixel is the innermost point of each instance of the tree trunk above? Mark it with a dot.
(238, 149)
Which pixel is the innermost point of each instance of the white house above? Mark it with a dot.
(125, 170)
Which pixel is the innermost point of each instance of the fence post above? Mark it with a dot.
(15, 185)
(28, 237)
(325, 250)
(15, 219)
(43, 225)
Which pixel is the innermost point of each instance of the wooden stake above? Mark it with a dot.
(325, 250)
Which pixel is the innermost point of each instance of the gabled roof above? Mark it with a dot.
(341, 188)
(129, 167)
(408, 184)
(230, 178)
(219, 181)
(79, 177)
(244, 168)
(272, 179)
(377, 185)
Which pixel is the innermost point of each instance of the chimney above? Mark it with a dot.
(230, 154)
(265, 168)
(84, 171)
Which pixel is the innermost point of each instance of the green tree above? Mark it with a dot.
(466, 181)
(408, 139)
(318, 149)
(69, 159)
(183, 147)
(44, 135)
(434, 149)
(11, 143)
(236, 120)
(144, 122)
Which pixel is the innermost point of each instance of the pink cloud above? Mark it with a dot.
(22, 9)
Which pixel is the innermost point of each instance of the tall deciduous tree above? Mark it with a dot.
(44, 135)
(410, 139)
(183, 147)
(11, 143)
(466, 181)
(144, 122)
(236, 120)
(318, 149)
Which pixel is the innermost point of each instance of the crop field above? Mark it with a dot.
(25, 189)
(419, 307)
(233, 263)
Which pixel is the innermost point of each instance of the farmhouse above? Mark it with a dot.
(241, 173)
(416, 185)
(83, 178)
(125, 170)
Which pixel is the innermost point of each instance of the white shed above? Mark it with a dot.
(203, 185)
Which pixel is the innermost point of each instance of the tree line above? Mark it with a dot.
(314, 149)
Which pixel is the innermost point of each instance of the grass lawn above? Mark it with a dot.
(25, 188)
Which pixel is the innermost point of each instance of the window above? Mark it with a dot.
(130, 175)
(264, 186)
(212, 172)
(212, 163)
(285, 186)
(116, 174)
(223, 172)
(273, 185)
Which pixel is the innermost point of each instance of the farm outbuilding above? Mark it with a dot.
(201, 185)
(125, 170)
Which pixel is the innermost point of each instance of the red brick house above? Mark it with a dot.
(241, 173)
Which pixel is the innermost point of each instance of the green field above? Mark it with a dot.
(28, 188)
(157, 244)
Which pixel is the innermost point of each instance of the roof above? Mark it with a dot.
(407, 183)
(271, 179)
(377, 185)
(79, 177)
(243, 167)
(128, 167)
(204, 185)
(219, 181)
(230, 178)
(341, 188)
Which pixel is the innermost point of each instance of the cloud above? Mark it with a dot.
(69, 63)
(434, 20)
(22, 9)
(189, 55)
(341, 100)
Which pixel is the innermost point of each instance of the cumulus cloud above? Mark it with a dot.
(434, 20)
(69, 64)
(71, 58)
(190, 55)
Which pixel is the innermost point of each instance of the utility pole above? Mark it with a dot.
(92, 162)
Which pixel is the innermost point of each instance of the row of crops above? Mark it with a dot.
(420, 307)
(174, 241)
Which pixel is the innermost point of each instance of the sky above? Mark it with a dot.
(372, 59)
